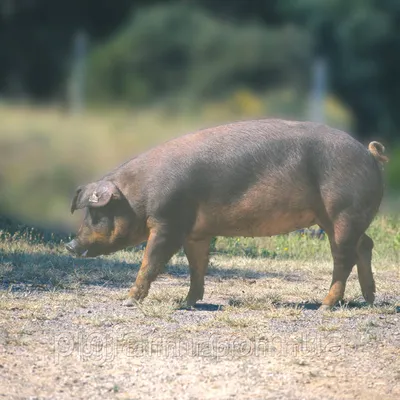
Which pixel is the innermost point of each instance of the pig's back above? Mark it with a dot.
(276, 163)
(227, 159)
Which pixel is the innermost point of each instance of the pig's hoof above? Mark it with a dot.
(325, 307)
(195, 294)
(136, 295)
(188, 305)
(369, 298)
(129, 302)
(191, 301)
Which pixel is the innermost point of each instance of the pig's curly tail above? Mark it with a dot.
(377, 149)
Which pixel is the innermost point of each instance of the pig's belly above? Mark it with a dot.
(215, 220)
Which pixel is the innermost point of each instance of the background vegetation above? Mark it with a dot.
(153, 70)
(86, 85)
(144, 51)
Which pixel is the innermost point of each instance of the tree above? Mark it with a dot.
(180, 49)
(36, 39)
(361, 40)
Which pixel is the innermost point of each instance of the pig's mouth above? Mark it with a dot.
(75, 249)
(84, 254)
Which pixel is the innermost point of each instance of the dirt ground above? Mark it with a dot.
(258, 334)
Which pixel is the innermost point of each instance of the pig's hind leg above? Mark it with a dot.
(344, 238)
(197, 253)
(365, 276)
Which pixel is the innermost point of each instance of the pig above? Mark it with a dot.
(249, 178)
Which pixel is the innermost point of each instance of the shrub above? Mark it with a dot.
(174, 50)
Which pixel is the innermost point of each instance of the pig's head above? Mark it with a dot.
(107, 225)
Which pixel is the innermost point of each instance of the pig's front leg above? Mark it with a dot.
(162, 244)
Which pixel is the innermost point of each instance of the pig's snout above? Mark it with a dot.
(74, 248)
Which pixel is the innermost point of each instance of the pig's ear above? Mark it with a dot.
(77, 202)
(94, 195)
(102, 194)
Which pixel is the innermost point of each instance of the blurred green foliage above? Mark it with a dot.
(361, 41)
(158, 69)
(149, 51)
(180, 51)
(45, 153)
(393, 170)
(199, 50)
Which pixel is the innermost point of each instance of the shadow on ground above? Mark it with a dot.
(57, 270)
(352, 305)
(313, 306)
(204, 307)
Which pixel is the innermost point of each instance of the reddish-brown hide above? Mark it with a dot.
(250, 178)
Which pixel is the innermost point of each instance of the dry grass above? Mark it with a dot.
(258, 332)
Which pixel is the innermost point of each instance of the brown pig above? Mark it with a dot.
(250, 178)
